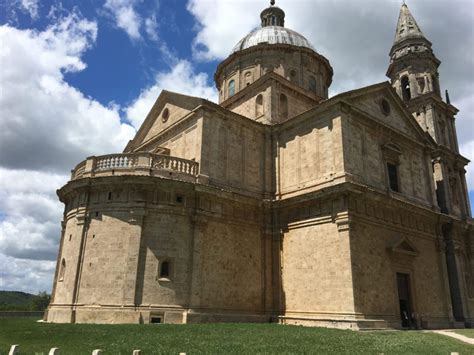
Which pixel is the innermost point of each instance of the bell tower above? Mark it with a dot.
(413, 72)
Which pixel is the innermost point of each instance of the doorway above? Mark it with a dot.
(404, 299)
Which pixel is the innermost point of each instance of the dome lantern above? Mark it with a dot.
(273, 16)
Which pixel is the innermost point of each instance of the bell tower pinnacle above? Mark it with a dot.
(413, 66)
(413, 72)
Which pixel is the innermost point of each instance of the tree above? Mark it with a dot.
(41, 301)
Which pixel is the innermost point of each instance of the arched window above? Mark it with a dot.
(259, 106)
(273, 20)
(231, 88)
(406, 92)
(62, 270)
(283, 107)
(165, 270)
(312, 84)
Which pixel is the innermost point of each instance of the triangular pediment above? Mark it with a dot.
(168, 109)
(402, 245)
(381, 104)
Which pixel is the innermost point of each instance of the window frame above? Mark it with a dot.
(391, 155)
(231, 88)
(393, 174)
(170, 266)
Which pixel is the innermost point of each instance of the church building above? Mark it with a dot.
(278, 204)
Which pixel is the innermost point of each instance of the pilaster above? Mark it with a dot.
(131, 277)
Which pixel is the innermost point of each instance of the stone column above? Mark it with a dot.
(454, 274)
(441, 248)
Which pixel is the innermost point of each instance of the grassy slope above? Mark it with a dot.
(216, 339)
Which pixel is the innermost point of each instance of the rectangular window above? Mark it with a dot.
(392, 170)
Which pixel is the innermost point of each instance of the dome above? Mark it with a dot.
(272, 35)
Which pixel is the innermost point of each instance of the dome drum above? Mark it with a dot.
(299, 65)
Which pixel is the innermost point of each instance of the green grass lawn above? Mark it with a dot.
(466, 332)
(36, 337)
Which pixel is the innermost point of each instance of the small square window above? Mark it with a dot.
(156, 319)
(180, 199)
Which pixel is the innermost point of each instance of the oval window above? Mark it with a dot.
(385, 107)
(165, 115)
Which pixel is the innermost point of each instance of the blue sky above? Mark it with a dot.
(78, 78)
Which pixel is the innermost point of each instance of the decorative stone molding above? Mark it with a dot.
(391, 152)
(81, 216)
(343, 225)
(403, 246)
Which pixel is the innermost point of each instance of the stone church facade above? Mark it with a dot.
(278, 204)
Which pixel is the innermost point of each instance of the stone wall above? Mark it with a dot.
(316, 271)
(309, 154)
(238, 155)
(365, 158)
(380, 251)
(213, 244)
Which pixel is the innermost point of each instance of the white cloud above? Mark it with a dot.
(31, 6)
(26, 275)
(55, 122)
(221, 24)
(151, 27)
(46, 126)
(58, 126)
(181, 79)
(30, 230)
(125, 16)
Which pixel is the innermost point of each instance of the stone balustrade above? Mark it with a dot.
(141, 163)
